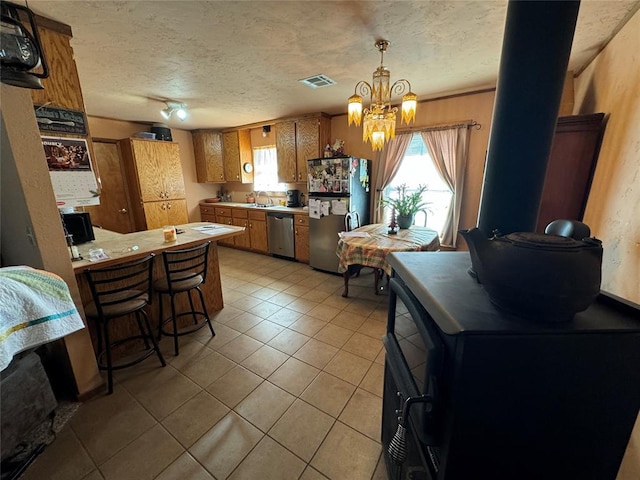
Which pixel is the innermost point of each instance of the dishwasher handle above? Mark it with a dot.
(280, 216)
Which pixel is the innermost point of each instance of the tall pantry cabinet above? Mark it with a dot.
(156, 185)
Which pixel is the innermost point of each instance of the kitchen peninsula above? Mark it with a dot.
(122, 248)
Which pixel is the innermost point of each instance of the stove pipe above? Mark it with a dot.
(535, 54)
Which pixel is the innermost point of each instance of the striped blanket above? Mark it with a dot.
(35, 308)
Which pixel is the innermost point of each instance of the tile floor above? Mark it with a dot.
(289, 388)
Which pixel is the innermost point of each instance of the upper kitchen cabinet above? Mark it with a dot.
(297, 141)
(156, 185)
(62, 88)
(207, 149)
(237, 156)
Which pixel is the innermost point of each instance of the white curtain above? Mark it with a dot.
(265, 172)
(387, 165)
(449, 149)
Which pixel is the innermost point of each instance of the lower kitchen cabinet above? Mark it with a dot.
(255, 236)
(223, 216)
(301, 231)
(168, 212)
(258, 231)
(240, 219)
(207, 214)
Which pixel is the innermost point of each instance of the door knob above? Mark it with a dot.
(123, 210)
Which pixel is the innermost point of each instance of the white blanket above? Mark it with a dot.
(35, 308)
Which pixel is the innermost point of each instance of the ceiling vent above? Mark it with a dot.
(318, 81)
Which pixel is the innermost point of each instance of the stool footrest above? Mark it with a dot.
(187, 329)
(137, 359)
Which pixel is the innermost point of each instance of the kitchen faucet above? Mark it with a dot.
(258, 195)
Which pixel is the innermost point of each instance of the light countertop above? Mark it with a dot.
(251, 206)
(124, 247)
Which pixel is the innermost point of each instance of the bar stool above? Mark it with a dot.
(185, 270)
(118, 292)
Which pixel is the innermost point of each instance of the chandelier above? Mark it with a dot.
(380, 117)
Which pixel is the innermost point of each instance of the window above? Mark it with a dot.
(417, 168)
(265, 171)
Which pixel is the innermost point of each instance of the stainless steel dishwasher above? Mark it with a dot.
(280, 231)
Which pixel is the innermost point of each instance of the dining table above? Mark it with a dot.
(369, 245)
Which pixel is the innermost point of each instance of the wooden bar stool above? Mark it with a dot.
(117, 292)
(185, 271)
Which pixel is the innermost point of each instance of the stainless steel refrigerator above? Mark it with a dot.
(336, 185)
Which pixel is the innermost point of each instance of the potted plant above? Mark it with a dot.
(406, 205)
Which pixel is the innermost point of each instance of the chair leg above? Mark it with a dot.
(153, 339)
(345, 294)
(376, 275)
(142, 332)
(109, 362)
(193, 309)
(206, 314)
(175, 325)
(161, 321)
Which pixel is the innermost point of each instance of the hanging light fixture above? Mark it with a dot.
(380, 117)
(20, 50)
(180, 109)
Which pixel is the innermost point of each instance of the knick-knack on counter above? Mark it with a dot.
(393, 226)
(327, 151)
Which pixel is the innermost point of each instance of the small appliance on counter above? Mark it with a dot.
(162, 131)
(293, 198)
(78, 224)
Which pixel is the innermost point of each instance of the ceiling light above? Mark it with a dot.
(380, 118)
(180, 109)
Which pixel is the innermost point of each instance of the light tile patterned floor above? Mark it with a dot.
(289, 388)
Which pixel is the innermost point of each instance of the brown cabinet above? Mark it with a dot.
(207, 214)
(301, 231)
(241, 219)
(572, 161)
(237, 152)
(258, 231)
(223, 216)
(156, 185)
(297, 141)
(207, 150)
(62, 88)
(170, 212)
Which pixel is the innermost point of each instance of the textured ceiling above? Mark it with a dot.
(236, 63)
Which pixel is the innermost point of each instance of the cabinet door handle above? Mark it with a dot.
(123, 210)
(163, 207)
(169, 206)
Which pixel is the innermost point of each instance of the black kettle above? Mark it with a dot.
(545, 278)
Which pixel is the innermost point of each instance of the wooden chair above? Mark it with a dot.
(117, 292)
